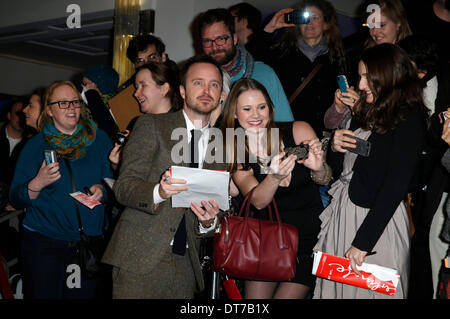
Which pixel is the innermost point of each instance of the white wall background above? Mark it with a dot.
(172, 22)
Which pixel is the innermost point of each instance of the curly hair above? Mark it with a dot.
(141, 42)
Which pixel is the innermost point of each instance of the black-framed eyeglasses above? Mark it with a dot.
(66, 104)
(218, 41)
(150, 58)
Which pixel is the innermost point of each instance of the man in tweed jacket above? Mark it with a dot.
(140, 248)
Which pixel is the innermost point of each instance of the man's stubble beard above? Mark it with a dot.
(193, 107)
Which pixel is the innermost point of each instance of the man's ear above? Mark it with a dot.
(165, 88)
(235, 39)
(223, 97)
(182, 92)
(9, 115)
(164, 57)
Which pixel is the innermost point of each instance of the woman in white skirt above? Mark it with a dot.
(366, 220)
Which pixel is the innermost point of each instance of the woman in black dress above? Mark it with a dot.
(290, 181)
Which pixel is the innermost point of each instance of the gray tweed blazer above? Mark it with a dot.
(143, 233)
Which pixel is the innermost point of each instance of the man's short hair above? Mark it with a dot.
(202, 58)
(141, 42)
(216, 15)
(9, 106)
(245, 10)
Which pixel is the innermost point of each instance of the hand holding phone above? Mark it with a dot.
(362, 146)
(444, 116)
(297, 17)
(50, 156)
(342, 83)
(301, 151)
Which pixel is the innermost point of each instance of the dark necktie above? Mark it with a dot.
(179, 240)
(195, 137)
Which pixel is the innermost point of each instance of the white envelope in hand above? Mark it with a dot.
(203, 184)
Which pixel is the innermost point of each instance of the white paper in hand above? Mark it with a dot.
(203, 184)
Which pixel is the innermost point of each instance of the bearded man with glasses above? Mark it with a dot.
(219, 40)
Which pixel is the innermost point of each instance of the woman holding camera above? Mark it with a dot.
(315, 45)
(366, 220)
(291, 182)
(51, 233)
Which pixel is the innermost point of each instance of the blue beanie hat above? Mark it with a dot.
(104, 76)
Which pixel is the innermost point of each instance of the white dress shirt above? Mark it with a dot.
(202, 147)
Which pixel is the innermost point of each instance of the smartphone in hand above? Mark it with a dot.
(342, 82)
(301, 151)
(50, 156)
(362, 146)
(297, 17)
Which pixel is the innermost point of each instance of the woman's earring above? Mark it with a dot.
(221, 101)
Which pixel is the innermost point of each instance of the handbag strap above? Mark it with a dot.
(74, 189)
(246, 204)
(305, 82)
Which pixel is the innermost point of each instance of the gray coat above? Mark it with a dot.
(142, 235)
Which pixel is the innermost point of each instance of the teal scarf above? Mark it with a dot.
(73, 146)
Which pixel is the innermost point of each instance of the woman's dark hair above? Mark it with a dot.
(395, 86)
(245, 10)
(40, 92)
(161, 73)
(289, 39)
(229, 120)
(423, 52)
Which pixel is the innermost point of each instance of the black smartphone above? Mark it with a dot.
(297, 17)
(121, 138)
(301, 151)
(362, 146)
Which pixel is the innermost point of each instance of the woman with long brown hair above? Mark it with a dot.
(366, 213)
(387, 25)
(298, 51)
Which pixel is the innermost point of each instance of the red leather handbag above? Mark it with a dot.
(255, 249)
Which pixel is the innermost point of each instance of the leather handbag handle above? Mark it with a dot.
(246, 205)
(281, 238)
